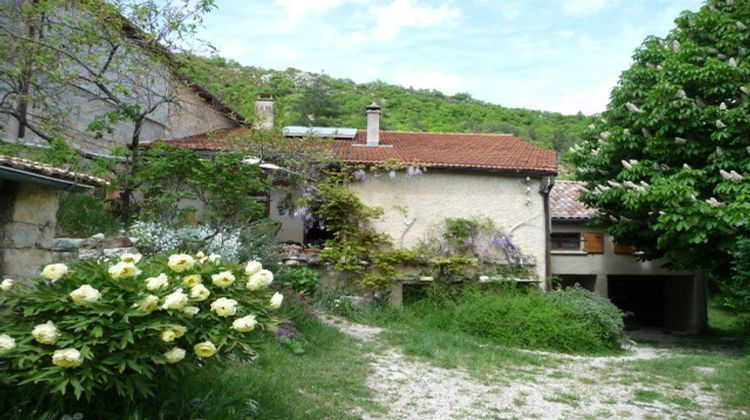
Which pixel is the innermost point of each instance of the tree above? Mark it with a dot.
(667, 165)
(110, 61)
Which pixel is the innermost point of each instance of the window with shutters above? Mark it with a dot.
(566, 241)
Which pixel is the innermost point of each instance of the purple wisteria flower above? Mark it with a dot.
(307, 219)
(412, 171)
(359, 175)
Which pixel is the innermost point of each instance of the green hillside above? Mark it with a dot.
(312, 99)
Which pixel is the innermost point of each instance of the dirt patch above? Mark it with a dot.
(580, 387)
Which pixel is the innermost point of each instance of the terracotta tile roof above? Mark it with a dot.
(50, 171)
(564, 204)
(503, 152)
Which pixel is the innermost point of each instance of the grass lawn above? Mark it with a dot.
(326, 381)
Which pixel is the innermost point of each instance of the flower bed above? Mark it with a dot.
(101, 327)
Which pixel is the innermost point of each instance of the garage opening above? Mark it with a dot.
(665, 302)
(569, 280)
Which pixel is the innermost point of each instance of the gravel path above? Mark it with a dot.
(580, 387)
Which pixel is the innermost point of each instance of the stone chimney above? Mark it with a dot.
(373, 125)
(264, 111)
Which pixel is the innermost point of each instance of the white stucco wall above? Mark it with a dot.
(437, 195)
(608, 263)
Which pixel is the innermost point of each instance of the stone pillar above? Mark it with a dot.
(396, 297)
(27, 227)
(601, 285)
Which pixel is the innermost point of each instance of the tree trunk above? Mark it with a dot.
(129, 181)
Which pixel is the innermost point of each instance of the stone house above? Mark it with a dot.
(29, 193)
(653, 294)
(497, 176)
(180, 106)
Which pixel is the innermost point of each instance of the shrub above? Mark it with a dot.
(156, 238)
(83, 215)
(112, 332)
(596, 312)
(574, 320)
(302, 279)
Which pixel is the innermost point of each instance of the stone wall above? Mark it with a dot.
(97, 246)
(27, 228)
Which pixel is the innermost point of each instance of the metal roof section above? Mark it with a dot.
(328, 132)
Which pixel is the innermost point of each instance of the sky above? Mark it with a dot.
(553, 55)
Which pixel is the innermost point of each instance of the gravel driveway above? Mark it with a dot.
(579, 387)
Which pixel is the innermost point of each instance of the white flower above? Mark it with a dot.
(614, 184)
(676, 45)
(54, 272)
(148, 304)
(626, 164)
(172, 332)
(686, 166)
(260, 279)
(732, 62)
(67, 358)
(175, 300)
(731, 176)
(46, 333)
(223, 279)
(720, 125)
(7, 343)
(159, 282)
(224, 307)
(174, 355)
(253, 267)
(723, 106)
(680, 94)
(276, 300)
(199, 292)
(180, 262)
(214, 258)
(680, 140)
(714, 202)
(633, 108)
(245, 324)
(85, 294)
(745, 90)
(123, 270)
(191, 311)
(741, 26)
(7, 284)
(130, 258)
(191, 280)
(201, 257)
(205, 349)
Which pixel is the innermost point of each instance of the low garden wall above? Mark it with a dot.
(97, 246)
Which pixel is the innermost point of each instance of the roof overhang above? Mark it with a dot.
(19, 175)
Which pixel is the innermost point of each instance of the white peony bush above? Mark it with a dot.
(123, 325)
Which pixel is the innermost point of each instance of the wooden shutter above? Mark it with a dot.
(622, 248)
(593, 242)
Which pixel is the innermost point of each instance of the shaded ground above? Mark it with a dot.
(649, 381)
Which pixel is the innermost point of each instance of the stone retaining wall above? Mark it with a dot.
(97, 246)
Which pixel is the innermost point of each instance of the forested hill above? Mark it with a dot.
(312, 99)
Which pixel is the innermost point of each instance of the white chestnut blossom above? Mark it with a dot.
(714, 202)
(723, 106)
(732, 62)
(633, 108)
(614, 184)
(686, 166)
(680, 140)
(741, 26)
(720, 125)
(680, 94)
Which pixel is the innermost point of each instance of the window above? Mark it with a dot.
(566, 241)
